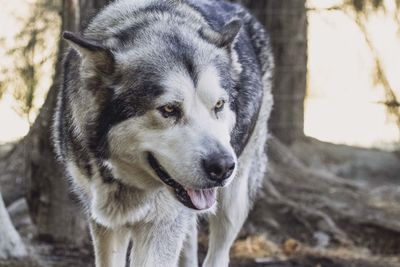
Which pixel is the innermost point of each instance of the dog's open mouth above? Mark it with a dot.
(198, 199)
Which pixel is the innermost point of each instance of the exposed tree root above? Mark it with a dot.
(301, 202)
(304, 214)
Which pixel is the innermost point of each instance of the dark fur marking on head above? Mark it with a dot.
(63, 104)
(181, 52)
(106, 174)
(249, 96)
(190, 67)
(133, 102)
(79, 152)
(129, 34)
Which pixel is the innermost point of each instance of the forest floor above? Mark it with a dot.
(254, 251)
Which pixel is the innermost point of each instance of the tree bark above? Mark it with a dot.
(286, 22)
(53, 207)
(11, 245)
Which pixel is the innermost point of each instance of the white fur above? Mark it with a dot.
(131, 139)
(137, 205)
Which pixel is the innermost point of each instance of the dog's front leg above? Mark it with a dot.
(158, 244)
(227, 222)
(188, 257)
(110, 245)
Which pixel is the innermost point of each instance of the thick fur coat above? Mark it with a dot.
(161, 117)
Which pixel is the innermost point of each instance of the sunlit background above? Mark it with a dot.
(343, 104)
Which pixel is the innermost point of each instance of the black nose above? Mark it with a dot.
(219, 166)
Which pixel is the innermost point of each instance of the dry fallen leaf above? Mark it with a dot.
(254, 247)
(290, 247)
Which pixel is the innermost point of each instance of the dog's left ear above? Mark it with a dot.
(94, 54)
(226, 36)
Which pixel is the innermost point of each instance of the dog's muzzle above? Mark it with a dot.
(198, 199)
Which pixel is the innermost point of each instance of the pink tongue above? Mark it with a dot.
(202, 198)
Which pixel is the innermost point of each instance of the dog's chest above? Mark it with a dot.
(114, 206)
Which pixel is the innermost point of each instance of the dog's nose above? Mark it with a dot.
(219, 166)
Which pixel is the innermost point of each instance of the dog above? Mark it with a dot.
(162, 117)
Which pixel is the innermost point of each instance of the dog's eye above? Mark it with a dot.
(219, 105)
(169, 110)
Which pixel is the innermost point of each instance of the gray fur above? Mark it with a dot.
(130, 163)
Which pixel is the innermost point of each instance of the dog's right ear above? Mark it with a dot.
(94, 54)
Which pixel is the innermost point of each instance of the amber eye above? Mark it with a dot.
(219, 105)
(170, 110)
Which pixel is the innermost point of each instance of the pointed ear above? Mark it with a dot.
(226, 36)
(93, 53)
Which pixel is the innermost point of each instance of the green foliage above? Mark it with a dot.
(30, 53)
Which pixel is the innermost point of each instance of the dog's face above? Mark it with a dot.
(170, 114)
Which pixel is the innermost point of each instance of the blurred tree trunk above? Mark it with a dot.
(51, 206)
(286, 21)
(11, 244)
(51, 203)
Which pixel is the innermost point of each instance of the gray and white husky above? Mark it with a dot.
(162, 116)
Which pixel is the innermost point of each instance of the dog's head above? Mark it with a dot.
(164, 108)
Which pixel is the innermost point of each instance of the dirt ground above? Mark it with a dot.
(308, 261)
(250, 255)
